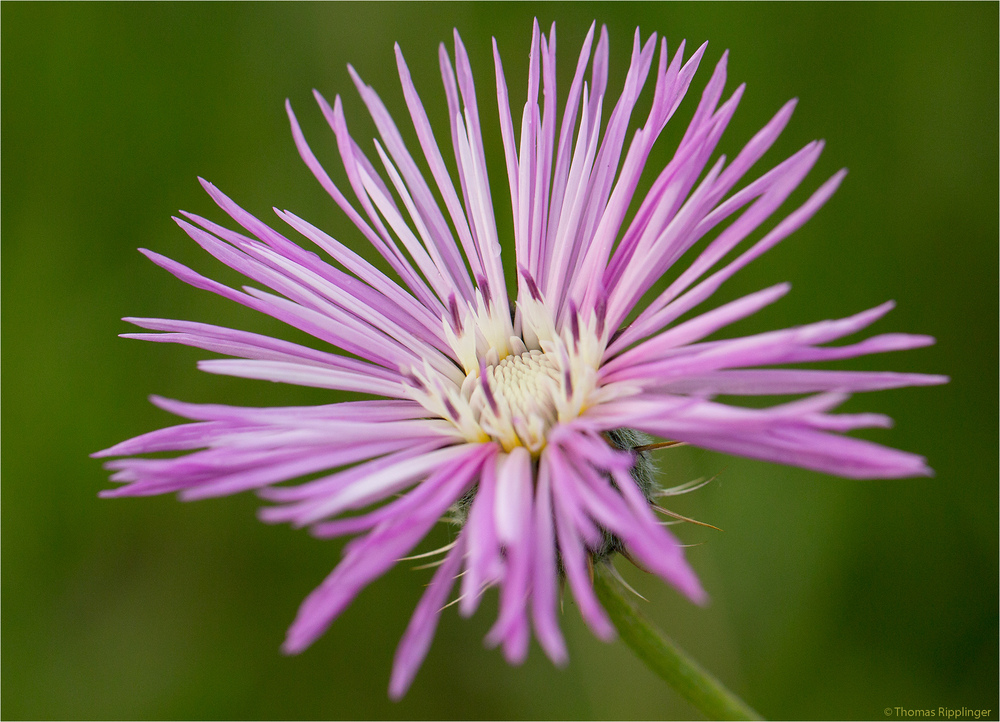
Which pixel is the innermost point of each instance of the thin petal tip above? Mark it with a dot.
(606, 632)
(113, 493)
(399, 685)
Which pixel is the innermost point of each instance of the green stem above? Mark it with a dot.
(664, 657)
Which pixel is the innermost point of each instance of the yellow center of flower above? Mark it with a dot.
(525, 385)
(519, 398)
(516, 387)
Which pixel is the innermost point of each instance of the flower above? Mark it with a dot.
(522, 420)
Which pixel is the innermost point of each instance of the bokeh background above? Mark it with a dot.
(830, 598)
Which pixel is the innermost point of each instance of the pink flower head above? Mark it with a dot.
(520, 418)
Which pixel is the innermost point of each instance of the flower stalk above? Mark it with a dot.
(664, 657)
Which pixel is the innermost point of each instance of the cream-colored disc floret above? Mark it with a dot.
(525, 383)
(517, 387)
(517, 399)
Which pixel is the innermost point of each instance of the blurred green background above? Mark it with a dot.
(830, 598)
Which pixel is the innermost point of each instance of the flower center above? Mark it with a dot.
(517, 400)
(517, 387)
(525, 385)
